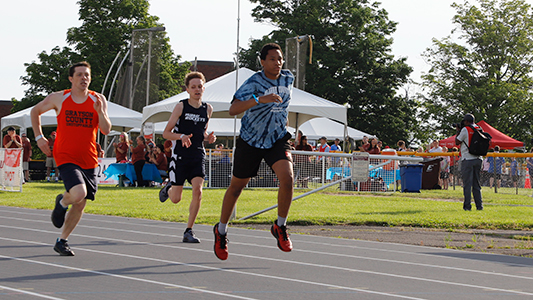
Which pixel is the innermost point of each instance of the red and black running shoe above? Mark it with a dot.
(221, 244)
(281, 235)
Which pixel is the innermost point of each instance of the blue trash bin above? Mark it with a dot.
(411, 178)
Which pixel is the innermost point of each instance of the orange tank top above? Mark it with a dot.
(77, 126)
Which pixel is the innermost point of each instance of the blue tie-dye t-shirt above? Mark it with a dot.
(265, 123)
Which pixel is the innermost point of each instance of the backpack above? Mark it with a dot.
(479, 142)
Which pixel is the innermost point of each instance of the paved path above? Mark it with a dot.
(122, 258)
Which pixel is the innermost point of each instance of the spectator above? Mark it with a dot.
(454, 165)
(26, 156)
(374, 147)
(298, 138)
(50, 161)
(323, 147)
(138, 160)
(158, 158)
(12, 140)
(401, 146)
(515, 173)
(364, 144)
(485, 175)
(336, 148)
(529, 161)
(168, 149)
(121, 148)
(302, 163)
(496, 172)
(445, 170)
(434, 147)
(218, 149)
(470, 165)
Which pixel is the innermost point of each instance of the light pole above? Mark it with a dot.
(150, 30)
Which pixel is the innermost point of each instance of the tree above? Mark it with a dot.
(487, 72)
(106, 29)
(351, 64)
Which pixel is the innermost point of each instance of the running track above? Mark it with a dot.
(122, 258)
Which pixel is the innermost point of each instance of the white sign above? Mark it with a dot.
(148, 130)
(103, 163)
(360, 163)
(11, 169)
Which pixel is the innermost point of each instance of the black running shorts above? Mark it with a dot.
(186, 169)
(73, 175)
(247, 159)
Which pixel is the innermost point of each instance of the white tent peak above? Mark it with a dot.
(121, 118)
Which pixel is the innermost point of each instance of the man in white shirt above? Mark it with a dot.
(470, 165)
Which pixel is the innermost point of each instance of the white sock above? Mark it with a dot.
(61, 203)
(222, 228)
(282, 221)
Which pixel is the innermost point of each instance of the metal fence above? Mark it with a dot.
(505, 173)
(312, 170)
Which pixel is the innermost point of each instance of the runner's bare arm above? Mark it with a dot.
(52, 101)
(100, 105)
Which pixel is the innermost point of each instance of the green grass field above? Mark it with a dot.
(431, 209)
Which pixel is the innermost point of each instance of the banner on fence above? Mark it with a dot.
(360, 163)
(103, 163)
(11, 169)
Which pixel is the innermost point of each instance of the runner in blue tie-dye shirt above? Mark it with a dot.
(264, 98)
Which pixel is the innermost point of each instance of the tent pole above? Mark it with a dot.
(345, 135)
(234, 213)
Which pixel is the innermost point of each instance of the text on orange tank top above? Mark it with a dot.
(77, 126)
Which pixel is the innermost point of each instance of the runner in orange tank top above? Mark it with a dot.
(80, 112)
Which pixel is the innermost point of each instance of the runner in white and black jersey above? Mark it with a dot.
(264, 99)
(186, 128)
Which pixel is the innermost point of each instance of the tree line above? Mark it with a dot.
(483, 67)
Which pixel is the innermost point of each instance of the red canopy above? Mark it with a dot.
(498, 138)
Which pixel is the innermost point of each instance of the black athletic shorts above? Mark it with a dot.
(187, 168)
(247, 159)
(73, 175)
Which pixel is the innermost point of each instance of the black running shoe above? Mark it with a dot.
(63, 248)
(190, 237)
(58, 214)
(163, 193)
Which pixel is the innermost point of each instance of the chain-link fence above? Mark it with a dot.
(501, 172)
(311, 170)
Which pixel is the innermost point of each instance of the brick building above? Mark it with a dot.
(5, 108)
(212, 69)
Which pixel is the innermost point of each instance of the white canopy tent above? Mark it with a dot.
(314, 129)
(121, 117)
(221, 127)
(219, 93)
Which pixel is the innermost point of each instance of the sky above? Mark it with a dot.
(206, 29)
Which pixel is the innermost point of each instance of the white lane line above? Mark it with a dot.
(285, 261)
(300, 250)
(295, 237)
(2, 287)
(170, 262)
(118, 276)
